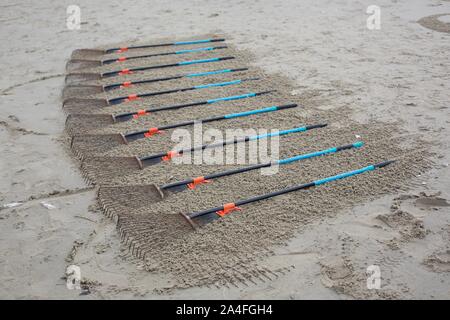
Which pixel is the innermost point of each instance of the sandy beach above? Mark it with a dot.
(387, 87)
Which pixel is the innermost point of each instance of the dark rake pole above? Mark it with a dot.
(200, 218)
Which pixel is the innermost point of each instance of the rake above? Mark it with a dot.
(102, 165)
(103, 142)
(76, 78)
(200, 218)
(86, 89)
(73, 105)
(140, 194)
(76, 64)
(192, 183)
(100, 52)
(84, 122)
(168, 156)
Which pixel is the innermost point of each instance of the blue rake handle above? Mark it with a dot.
(130, 115)
(123, 59)
(176, 64)
(119, 100)
(200, 218)
(189, 75)
(192, 182)
(178, 43)
(357, 144)
(166, 156)
(143, 133)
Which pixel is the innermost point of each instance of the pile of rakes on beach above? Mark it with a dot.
(84, 80)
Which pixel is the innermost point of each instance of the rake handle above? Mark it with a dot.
(358, 144)
(111, 50)
(179, 106)
(114, 73)
(182, 63)
(264, 165)
(295, 188)
(117, 85)
(189, 75)
(217, 175)
(149, 94)
(156, 93)
(202, 147)
(109, 61)
(238, 140)
(208, 73)
(218, 118)
(176, 125)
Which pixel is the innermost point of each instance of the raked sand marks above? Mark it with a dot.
(231, 250)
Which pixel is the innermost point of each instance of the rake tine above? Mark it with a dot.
(82, 123)
(99, 167)
(71, 91)
(79, 78)
(96, 143)
(78, 64)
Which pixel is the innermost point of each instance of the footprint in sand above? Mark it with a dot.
(436, 22)
(439, 262)
(431, 202)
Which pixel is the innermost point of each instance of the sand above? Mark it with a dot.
(298, 246)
